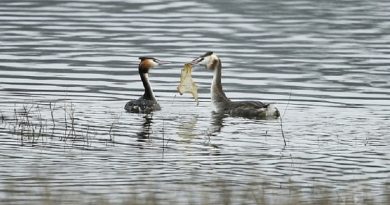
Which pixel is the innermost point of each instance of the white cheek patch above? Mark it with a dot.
(210, 60)
(155, 64)
(152, 64)
(206, 60)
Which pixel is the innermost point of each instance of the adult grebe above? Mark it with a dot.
(147, 102)
(248, 109)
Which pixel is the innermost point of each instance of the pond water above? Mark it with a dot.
(67, 68)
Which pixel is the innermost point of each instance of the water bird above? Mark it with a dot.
(147, 103)
(222, 104)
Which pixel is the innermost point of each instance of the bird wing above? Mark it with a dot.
(249, 109)
(248, 105)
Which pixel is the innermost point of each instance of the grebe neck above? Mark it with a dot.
(148, 95)
(217, 95)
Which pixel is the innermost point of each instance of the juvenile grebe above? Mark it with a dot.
(147, 102)
(248, 109)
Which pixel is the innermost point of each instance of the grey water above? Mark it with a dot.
(325, 64)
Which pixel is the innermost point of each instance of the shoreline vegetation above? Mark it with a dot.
(217, 192)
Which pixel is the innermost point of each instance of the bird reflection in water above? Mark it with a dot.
(186, 129)
(216, 125)
(144, 134)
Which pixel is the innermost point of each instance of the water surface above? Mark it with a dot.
(324, 64)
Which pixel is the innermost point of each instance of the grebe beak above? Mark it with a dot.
(160, 62)
(196, 60)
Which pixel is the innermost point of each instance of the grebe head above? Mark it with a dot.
(148, 63)
(209, 60)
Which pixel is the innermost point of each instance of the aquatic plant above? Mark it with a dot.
(35, 123)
